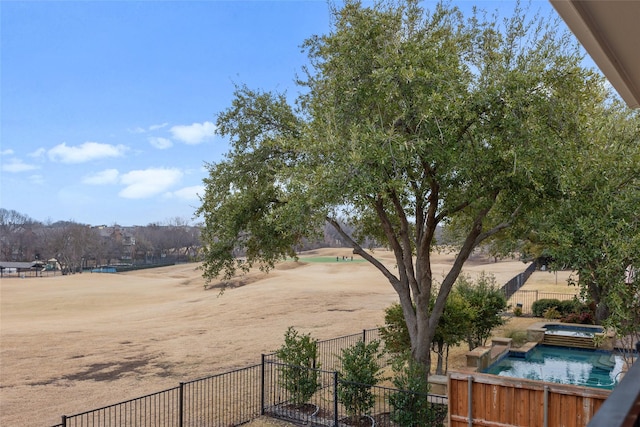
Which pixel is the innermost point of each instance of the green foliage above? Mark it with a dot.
(248, 209)
(408, 119)
(360, 369)
(299, 375)
(517, 311)
(409, 404)
(395, 334)
(594, 228)
(450, 331)
(453, 327)
(486, 302)
(571, 306)
(562, 308)
(624, 317)
(552, 313)
(540, 306)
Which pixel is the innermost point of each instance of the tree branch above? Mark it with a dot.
(497, 228)
(407, 253)
(357, 249)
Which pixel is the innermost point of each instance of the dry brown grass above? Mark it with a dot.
(73, 343)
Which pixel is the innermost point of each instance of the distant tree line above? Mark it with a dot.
(79, 246)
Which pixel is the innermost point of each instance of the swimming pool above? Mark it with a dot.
(590, 368)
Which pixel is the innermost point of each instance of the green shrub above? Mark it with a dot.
(552, 313)
(360, 370)
(409, 404)
(564, 308)
(486, 303)
(299, 375)
(517, 311)
(395, 334)
(539, 307)
(570, 306)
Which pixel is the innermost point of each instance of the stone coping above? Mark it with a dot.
(542, 326)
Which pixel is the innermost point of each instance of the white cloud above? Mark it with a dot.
(85, 152)
(6, 152)
(160, 143)
(156, 127)
(194, 133)
(107, 176)
(188, 193)
(39, 153)
(148, 182)
(139, 129)
(17, 165)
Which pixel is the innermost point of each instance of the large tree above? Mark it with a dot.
(408, 120)
(595, 229)
(71, 244)
(18, 240)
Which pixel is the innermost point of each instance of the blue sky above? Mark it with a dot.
(108, 107)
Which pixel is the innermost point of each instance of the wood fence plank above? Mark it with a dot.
(501, 401)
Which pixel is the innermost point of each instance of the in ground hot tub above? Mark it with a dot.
(570, 335)
(571, 330)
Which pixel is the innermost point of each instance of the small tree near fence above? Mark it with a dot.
(300, 376)
(410, 401)
(359, 372)
(486, 303)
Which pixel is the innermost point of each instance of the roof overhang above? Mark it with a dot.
(609, 30)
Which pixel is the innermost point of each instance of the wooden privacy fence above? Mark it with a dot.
(487, 400)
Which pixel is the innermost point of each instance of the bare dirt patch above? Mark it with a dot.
(74, 343)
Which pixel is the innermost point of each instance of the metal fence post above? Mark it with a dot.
(315, 355)
(64, 421)
(262, 385)
(335, 398)
(181, 405)
(364, 336)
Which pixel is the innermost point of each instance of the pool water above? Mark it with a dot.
(590, 368)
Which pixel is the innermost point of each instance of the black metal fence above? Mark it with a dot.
(157, 409)
(513, 285)
(525, 299)
(223, 400)
(228, 399)
(388, 407)
(330, 350)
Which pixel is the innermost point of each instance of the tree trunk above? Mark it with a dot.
(602, 312)
(439, 364)
(601, 309)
